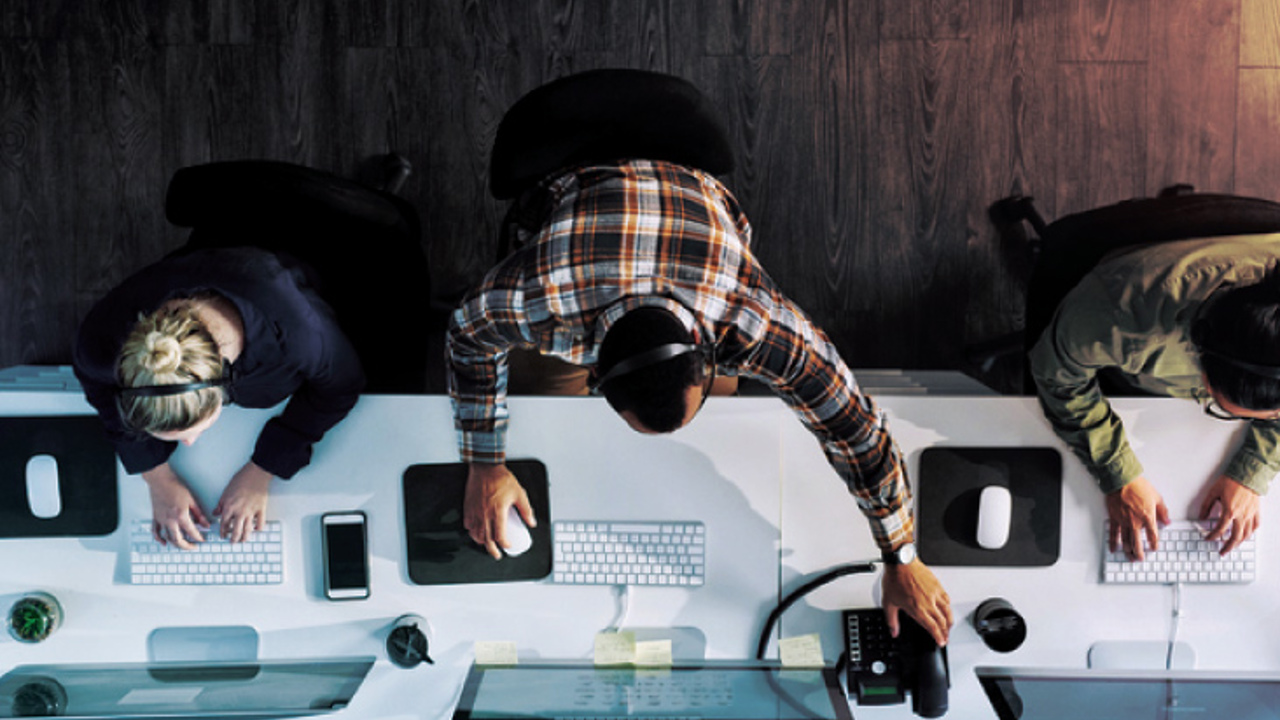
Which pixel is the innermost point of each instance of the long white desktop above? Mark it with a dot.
(775, 515)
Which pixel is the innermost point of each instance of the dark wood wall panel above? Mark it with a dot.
(39, 256)
(1102, 148)
(1259, 32)
(870, 136)
(1010, 76)
(1257, 127)
(1105, 30)
(1188, 140)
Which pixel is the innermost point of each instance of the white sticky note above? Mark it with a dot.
(615, 648)
(801, 651)
(653, 653)
(495, 652)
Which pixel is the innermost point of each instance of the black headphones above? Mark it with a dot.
(224, 381)
(176, 389)
(653, 356)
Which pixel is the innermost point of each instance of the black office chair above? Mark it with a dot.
(594, 116)
(1064, 251)
(599, 116)
(361, 244)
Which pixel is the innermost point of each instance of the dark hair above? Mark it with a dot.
(655, 394)
(1239, 328)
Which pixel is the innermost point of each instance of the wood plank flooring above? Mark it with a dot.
(871, 135)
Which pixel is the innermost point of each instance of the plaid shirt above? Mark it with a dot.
(644, 233)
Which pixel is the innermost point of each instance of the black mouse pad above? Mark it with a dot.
(86, 476)
(950, 484)
(439, 549)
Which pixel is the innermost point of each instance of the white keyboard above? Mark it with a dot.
(216, 561)
(629, 553)
(1184, 556)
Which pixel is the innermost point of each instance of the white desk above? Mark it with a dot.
(596, 466)
(1065, 607)
(774, 512)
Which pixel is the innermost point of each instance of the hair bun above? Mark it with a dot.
(163, 355)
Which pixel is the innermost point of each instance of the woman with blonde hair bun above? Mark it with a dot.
(294, 285)
(168, 347)
(162, 354)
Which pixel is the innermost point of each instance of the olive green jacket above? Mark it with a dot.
(1133, 313)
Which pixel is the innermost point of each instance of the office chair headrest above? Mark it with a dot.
(605, 115)
(240, 191)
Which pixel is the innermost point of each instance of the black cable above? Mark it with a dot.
(805, 589)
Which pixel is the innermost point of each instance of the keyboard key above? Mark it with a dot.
(1184, 556)
(216, 561)
(629, 553)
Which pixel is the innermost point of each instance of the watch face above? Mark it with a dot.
(906, 554)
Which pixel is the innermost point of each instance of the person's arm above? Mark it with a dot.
(487, 325)
(1088, 333)
(332, 379)
(1235, 497)
(1257, 460)
(1065, 362)
(804, 368)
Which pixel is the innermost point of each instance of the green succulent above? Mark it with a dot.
(32, 619)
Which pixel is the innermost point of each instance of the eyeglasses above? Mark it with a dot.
(1214, 409)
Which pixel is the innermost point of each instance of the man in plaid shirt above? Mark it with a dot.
(615, 241)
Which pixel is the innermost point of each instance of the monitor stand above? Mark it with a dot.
(225, 643)
(1140, 655)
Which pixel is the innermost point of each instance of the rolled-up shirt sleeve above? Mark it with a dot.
(1257, 461)
(1086, 335)
(482, 331)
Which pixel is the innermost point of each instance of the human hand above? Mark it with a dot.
(175, 512)
(913, 588)
(243, 505)
(1135, 510)
(491, 490)
(1239, 509)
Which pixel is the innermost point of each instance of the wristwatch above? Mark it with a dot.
(902, 555)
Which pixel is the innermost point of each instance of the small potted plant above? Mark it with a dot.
(34, 617)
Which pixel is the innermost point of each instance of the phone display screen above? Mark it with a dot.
(347, 571)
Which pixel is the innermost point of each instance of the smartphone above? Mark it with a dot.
(346, 555)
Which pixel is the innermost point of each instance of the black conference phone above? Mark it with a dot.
(882, 668)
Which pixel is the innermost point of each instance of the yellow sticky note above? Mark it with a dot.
(615, 648)
(653, 653)
(495, 652)
(801, 651)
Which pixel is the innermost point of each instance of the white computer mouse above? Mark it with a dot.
(43, 493)
(995, 506)
(518, 538)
